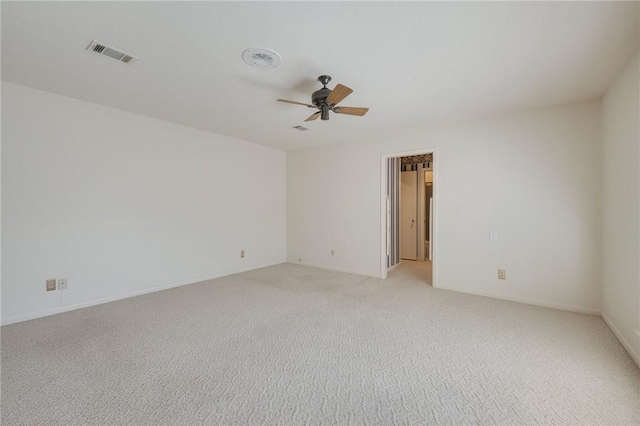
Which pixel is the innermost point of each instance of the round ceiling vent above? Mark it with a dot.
(259, 57)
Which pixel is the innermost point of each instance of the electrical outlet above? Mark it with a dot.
(62, 284)
(502, 274)
(51, 284)
(493, 236)
(241, 253)
(332, 252)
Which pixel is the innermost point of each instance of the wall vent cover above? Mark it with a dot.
(301, 128)
(112, 52)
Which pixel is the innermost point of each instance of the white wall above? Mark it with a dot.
(122, 204)
(621, 207)
(534, 177)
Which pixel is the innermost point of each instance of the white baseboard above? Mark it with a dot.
(635, 356)
(333, 268)
(86, 304)
(553, 305)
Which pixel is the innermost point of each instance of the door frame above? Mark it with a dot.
(383, 208)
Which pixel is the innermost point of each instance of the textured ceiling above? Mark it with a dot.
(410, 63)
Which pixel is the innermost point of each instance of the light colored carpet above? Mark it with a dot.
(295, 345)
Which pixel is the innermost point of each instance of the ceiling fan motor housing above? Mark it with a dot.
(319, 97)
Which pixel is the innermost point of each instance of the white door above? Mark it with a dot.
(408, 215)
(431, 228)
(388, 226)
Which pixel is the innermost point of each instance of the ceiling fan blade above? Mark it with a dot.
(313, 116)
(338, 94)
(351, 110)
(296, 103)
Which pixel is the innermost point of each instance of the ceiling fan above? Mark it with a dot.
(326, 100)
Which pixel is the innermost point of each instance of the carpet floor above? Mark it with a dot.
(295, 345)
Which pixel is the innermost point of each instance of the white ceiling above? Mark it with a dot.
(410, 63)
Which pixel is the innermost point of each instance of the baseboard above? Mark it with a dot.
(333, 268)
(553, 305)
(635, 356)
(102, 300)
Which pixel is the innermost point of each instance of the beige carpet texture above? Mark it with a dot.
(293, 345)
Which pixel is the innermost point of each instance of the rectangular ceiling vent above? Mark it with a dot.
(301, 128)
(112, 52)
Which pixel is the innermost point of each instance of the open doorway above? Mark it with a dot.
(409, 214)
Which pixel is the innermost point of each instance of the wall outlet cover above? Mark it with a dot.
(62, 284)
(242, 253)
(502, 274)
